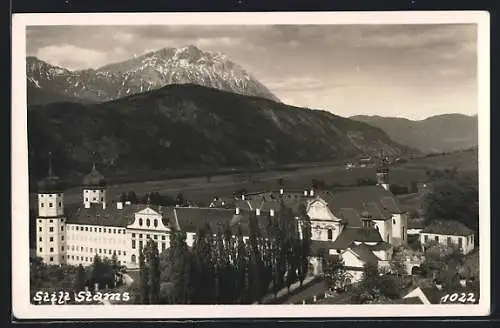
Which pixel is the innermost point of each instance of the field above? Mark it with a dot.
(201, 189)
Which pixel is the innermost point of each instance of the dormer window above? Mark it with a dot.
(140, 222)
(155, 223)
(330, 234)
(148, 222)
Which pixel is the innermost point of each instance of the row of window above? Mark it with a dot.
(148, 222)
(51, 229)
(50, 195)
(148, 236)
(51, 249)
(51, 239)
(96, 250)
(94, 191)
(87, 259)
(95, 229)
(97, 239)
(449, 240)
(51, 204)
(163, 244)
(52, 220)
(93, 199)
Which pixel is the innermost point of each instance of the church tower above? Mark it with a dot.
(383, 173)
(94, 191)
(50, 224)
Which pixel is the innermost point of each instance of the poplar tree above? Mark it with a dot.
(144, 277)
(153, 266)
(203, 267)
(79, 279)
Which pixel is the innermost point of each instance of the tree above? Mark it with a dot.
(114, 262)
(181, 269)
(152, 263)
(80, 279)
(180, 200)
(203, 267)
(241, 268)
(335, 272)
(144, 278)
(305, 248)
(132, 197)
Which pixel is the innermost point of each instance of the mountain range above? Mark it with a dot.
(441, 133)
(187, 125)
(147, 72)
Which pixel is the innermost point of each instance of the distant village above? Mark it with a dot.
(361, 226)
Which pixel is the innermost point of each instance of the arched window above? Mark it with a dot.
(133, 258)
(148, 222)
(155, 223)
(140, 222)
(330, 234)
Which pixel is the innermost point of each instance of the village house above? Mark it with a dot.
(450, 233)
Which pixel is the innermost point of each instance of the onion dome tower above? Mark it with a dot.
(94, 191)
(50, 224)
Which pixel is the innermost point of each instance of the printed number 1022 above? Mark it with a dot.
(458, 298)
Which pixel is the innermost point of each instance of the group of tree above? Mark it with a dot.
(223, 268)
(70, 278)
(453, 198)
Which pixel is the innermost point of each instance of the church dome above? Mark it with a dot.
(94, 179)
(50, 184)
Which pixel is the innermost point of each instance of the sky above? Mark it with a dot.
(412, 71)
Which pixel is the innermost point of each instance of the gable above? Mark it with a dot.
(351, 259)
(417, 292)
(318, 210)
(148, 211)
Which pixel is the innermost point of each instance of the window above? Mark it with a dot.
(156, 223)
(93, 198)
(102, 199)
(140, 235)
(73, 247)
(140, 244)
(114, 230)
(104, 230)
(51, 221)
(77, 228)
(62, 248)
(40, 239)
(72, 257)
(426, 238)
(448, 240)
(50, 205)
(40, 229)
(119, 252)
(100, 250)
(95, 229)
(436, 238)
(91, 249)
(52, 249)
(155, 237)
(133, 243)
(460, 242)
(133, 235)
(133, 258)
(51, 229)
(60, 204)
(163, 246)
(87, 259)
(393, 221)
(140, 222)
(51, 259)
(51, 239)
(62, 238)
(40, 249)
(330, 234)
(62, 228)
(100, 229)
(147, 236)
(162, 237)
(148, 223)
(42, 205)
(124, 253)
(86, 198)
(86, 228)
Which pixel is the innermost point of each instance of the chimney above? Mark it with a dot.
(311, 193)
(271, 211)
(237, 210)
(103, 205)
(119, 205)
(281, 191)
(305, 192)
(257, 211)
(222, 203)
(242, 196)
(128, 202)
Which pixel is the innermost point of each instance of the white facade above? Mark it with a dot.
(324, 224)
(93, 195)
(464, 243)
(399, 229)
(50, 228)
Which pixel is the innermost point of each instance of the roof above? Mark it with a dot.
(410, 300)
(321, 247)
(112, 216)
(433, 294)
(50, 184)
(94, 178)
(364, 253)
(379, 203)
(415, 224)
(351, 234)
(381, 246)
(448, 227)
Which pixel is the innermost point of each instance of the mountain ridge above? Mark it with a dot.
(187, 124)
(147, 72)
(439, 133)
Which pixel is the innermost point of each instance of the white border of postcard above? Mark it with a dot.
(22, 309)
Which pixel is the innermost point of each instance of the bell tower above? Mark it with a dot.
(94, 191)
(50, 225)
(383, 172)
